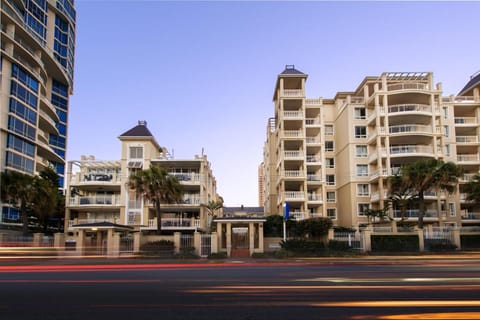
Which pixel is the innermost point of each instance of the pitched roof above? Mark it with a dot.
(474, 81)
(290, 70)
(139, 130)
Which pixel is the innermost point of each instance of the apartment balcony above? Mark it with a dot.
(298, 215)
(313, 102)
(466, 140)
(293, 115)
(191, 201)
(312, 141)
(312, 122)
(466, 177)
(96, 179)
(466, 121)
(413, 150)
(292, 134)
(293, 196)
(468, 159)
(314, 178)
(409, 108)
(375, 196)
(73, 222)
(413, 213)
(46, 105)
(463, 100)
(373, 157)
(293, 174)
(173, 224)
(292, 93)
(312, 159)
(410, 129)
(374, 133)
(316, 198)
(46, 122)
(293, 155)
(470, 216)
(408, 87)
(95, 201)
(187, 178)
(374, 175)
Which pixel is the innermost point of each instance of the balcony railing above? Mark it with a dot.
(409, 108)
(467, 177)
(312, 121)
(413, 213)
(468, 158)
(313, 140)
(314, 197)
(409, 128)
(314, 178)
(466, 139)
(298, 215)
(293, 154)
(313, 102)
(411, 149)
(292, 133)
(294, 195)
(292, 93)
(97, 200)
(466, 120)
(186, 178)
(311, 158)
(407, 86)
(471, 216)
(293, 114)
(173, 224)
(293, 173)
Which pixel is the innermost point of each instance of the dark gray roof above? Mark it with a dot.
(139, 130)
(242, 208)
(474, 81)
(290, 70)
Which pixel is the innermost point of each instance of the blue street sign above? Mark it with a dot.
(286, 211)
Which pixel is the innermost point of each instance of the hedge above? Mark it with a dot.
(395, 243)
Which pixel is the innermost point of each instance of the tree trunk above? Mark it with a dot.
(159, 217)
(23, 213)
(421, 211)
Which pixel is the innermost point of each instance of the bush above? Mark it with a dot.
(336, 245)
(218, 255)
(470, 241)
(161, 248)
(344, 229)
(187, 253)
(395, 243)
(439, 245)
(303, 247)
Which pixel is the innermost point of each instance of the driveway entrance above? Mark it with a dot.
(240, 243)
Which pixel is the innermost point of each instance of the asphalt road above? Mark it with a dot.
(301, 290)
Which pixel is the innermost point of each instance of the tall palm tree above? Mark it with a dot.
(47, 201)
(401, 193)
(18, 189)
(212, 206)
(472, 189)
(156, 185)
(427, 174)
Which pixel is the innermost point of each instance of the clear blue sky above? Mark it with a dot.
(202, 73)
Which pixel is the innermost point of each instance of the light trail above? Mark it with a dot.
(388, 280)
(400, 303)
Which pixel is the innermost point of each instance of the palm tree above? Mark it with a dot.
(212, 206)
(427, 174)
(47, 201)
(156, 185)
(18, 189)
(401, 193)
(472, 189)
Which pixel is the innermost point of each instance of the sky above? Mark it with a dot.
(202, 73)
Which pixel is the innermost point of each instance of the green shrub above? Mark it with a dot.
(344, 229)
(395, 243)
(470, 241)
(161, 248)
(336, 245)
(303, 247)
(439, 245)
(218, 255)
(187, 253)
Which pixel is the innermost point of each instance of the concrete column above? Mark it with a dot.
(220, 235)
(113, 244)
(331, 235)
(394, 226)
(80, 242)
(260, 237)
(137, 241)
(197, 242)
(456, 238)
(367, 240)
(251, 237)
(229, 238)
(177, 241)
(59, 241)
(37, 239)
(214, 242)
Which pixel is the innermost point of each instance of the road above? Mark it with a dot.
(447, 289)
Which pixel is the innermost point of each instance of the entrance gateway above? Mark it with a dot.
(240, 231)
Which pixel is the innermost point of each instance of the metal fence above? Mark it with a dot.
(186, 241)
(206, 245)
(353, 239)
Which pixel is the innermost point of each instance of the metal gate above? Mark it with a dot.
(205, 245)
(437, 236)
(354, 240)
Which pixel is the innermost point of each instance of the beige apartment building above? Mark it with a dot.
(100, 205)
(332, 157)
(36, 81)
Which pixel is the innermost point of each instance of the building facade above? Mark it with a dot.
(98, 199)
(332, 157)
(36, 80)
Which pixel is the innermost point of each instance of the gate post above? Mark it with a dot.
(197, 242)
(366, 240)
(421, 240)
(456, 238)
(177, 241)
(214, 242)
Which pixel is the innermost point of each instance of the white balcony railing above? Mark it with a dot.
(293, 173)
(312, 121)
(407, 86)
(466, 120)
(314, 197)
(313, 140)
(96, 200)
(293, 154)
(294, 195)
(292, 93)
(466, 139)
(405, 149)
(313, 102)
(468, 158)
(298, 215)
(292, 133)
(293, 114)
(409, 128)
(186, 178)
(409, 108)
(314, 178)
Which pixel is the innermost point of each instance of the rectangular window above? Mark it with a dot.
(445, 131)
(329, 146)
(331, 196)
(361, 151)
(451, 209)
(362, 170)
(360, 113)
(136, 153)
(447, 150)
(360, 132)
(332, 213)
(445, 112)
(329, 130)
(362, 208)
(330, 163)
(330, 179)
(363, 190)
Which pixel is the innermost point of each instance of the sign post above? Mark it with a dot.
(286, 216)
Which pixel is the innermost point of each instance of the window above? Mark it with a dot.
(330, 179)
(332, 213)
(329, 146)
(360, 132)
(361, 151)
(362, 170)
(330, 163)
(136, 153)
(363, 190)
(362, 208)
(451, 209)
(445, 112)
(447, 150)
(329, 130)
(445, 131)
(360, 113)
(331, 196)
